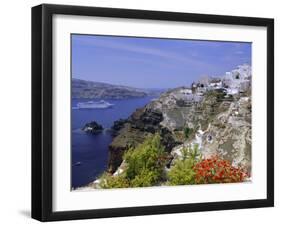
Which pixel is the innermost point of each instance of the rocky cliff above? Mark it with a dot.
(215, 115)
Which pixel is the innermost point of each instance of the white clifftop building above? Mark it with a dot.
(233, 82)
(238, 80)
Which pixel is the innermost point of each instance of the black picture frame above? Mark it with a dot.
(42, 197)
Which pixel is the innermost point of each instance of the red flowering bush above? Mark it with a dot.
(216, 170)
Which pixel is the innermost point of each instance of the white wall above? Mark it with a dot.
(15, 116)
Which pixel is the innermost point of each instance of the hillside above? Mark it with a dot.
(213, 115)
(98, 90)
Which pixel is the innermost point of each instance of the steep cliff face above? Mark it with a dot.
(215, 115)
(224, 131)
(229, 134)
(142, 123)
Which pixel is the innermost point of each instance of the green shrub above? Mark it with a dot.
(145, 163)
(144, 166)
(109, 181)
(145, 178)
(182, 172)
(187, 131)
(191, 153)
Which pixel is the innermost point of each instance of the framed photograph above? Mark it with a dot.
(145, 112)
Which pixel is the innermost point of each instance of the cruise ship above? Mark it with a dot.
(94, 105)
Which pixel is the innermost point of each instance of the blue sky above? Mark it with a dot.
(152, 62)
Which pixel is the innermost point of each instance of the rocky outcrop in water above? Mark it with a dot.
(92, 127)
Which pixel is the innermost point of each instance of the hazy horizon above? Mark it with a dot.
(153, 63)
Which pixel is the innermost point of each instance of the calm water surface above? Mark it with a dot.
(90, 152)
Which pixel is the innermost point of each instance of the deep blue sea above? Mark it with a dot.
(90, 151)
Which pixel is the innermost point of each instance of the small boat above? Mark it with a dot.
(94, 105)
(77, 164)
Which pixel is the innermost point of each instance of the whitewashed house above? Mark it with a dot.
(238, 80)
(186, 91)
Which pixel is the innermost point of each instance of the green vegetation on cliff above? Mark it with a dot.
(144, 166)
(146, 162)
(182, 172)
(109, 181)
